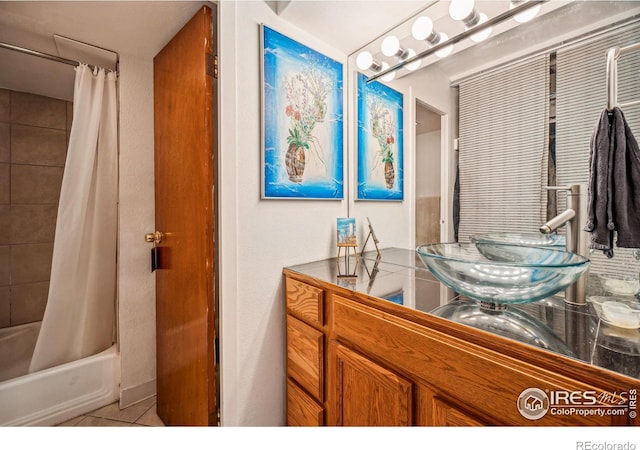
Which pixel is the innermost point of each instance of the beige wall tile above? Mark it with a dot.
(427, 220)
(32, 224)
(28, 302)
(5, 264)
(5, 105)
(5, 143)
(5, 224)
(38, 146)
(35, 184)
(5, 307)
(30, 263)
(5, 183)
(39, 111)
(69, 115)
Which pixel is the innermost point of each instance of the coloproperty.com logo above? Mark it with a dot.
(534, 403)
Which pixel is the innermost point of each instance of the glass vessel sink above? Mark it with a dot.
(502, 273)
(529, 239)
(508, 322)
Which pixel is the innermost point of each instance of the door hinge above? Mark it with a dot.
(212, 65)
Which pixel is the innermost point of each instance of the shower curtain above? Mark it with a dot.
(79, 318)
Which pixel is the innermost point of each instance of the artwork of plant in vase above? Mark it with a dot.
(383, 129)
(380, 150)
(302, 104)
(305, 94)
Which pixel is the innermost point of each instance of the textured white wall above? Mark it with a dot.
(431, 87)
(428, 164)
(259, 237)
(136, 282)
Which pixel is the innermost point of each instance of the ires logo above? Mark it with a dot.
(534, 403)
(575, 398)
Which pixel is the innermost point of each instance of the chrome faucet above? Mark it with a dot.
(576, 238)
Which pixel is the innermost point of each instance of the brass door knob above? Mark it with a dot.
(156, 237)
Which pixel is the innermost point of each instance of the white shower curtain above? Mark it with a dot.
(79, 319)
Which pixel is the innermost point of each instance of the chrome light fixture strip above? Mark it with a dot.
(454, 40)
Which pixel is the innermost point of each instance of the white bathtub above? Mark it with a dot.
(55, 395)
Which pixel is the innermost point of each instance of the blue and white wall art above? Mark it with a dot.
(380, 149)
(302, 121)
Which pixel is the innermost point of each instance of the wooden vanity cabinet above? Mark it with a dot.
(305, 354)
(362, 361)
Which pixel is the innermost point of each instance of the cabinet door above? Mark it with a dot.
(366, 394)
(447, 415)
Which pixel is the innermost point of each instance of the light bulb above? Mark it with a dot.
(460, 9)
(390, 45)
(422, 28)
(484, 34)
(364, 60)
(390, 76)
(414, 65)
(526, 15)
(446, 51)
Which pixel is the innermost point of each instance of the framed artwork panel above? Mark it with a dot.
(380, 142)
(302, 121)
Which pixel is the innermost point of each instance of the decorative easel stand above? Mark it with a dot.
(348, 273)
(372, 235)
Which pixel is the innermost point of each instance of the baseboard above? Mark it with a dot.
(136, 394)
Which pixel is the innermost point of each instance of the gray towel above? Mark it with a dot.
(626, 183)
(614, 185)
(598, 217)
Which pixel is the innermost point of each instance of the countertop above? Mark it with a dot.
(399, 276)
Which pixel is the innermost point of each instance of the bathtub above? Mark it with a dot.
(54, 395)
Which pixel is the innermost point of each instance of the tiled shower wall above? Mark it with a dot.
(34, 132)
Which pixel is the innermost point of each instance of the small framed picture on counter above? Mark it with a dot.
(346, 232)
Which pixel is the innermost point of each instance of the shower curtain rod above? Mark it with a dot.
(46, 56)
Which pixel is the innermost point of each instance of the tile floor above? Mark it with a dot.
(140, 414)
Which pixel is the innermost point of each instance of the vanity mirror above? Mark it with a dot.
(514, 112)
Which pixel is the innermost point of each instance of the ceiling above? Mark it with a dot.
(427, 121)
(351, 26)
(139, 29)
(348, 25)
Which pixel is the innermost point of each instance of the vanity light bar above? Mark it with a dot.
(454, 40)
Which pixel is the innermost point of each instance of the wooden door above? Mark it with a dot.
(185, 214)
(367, 394)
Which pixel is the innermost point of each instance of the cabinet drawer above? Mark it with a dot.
(305, 302)
(302, 410)
(305, 356)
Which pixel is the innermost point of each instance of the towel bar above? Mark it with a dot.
(612, 74)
